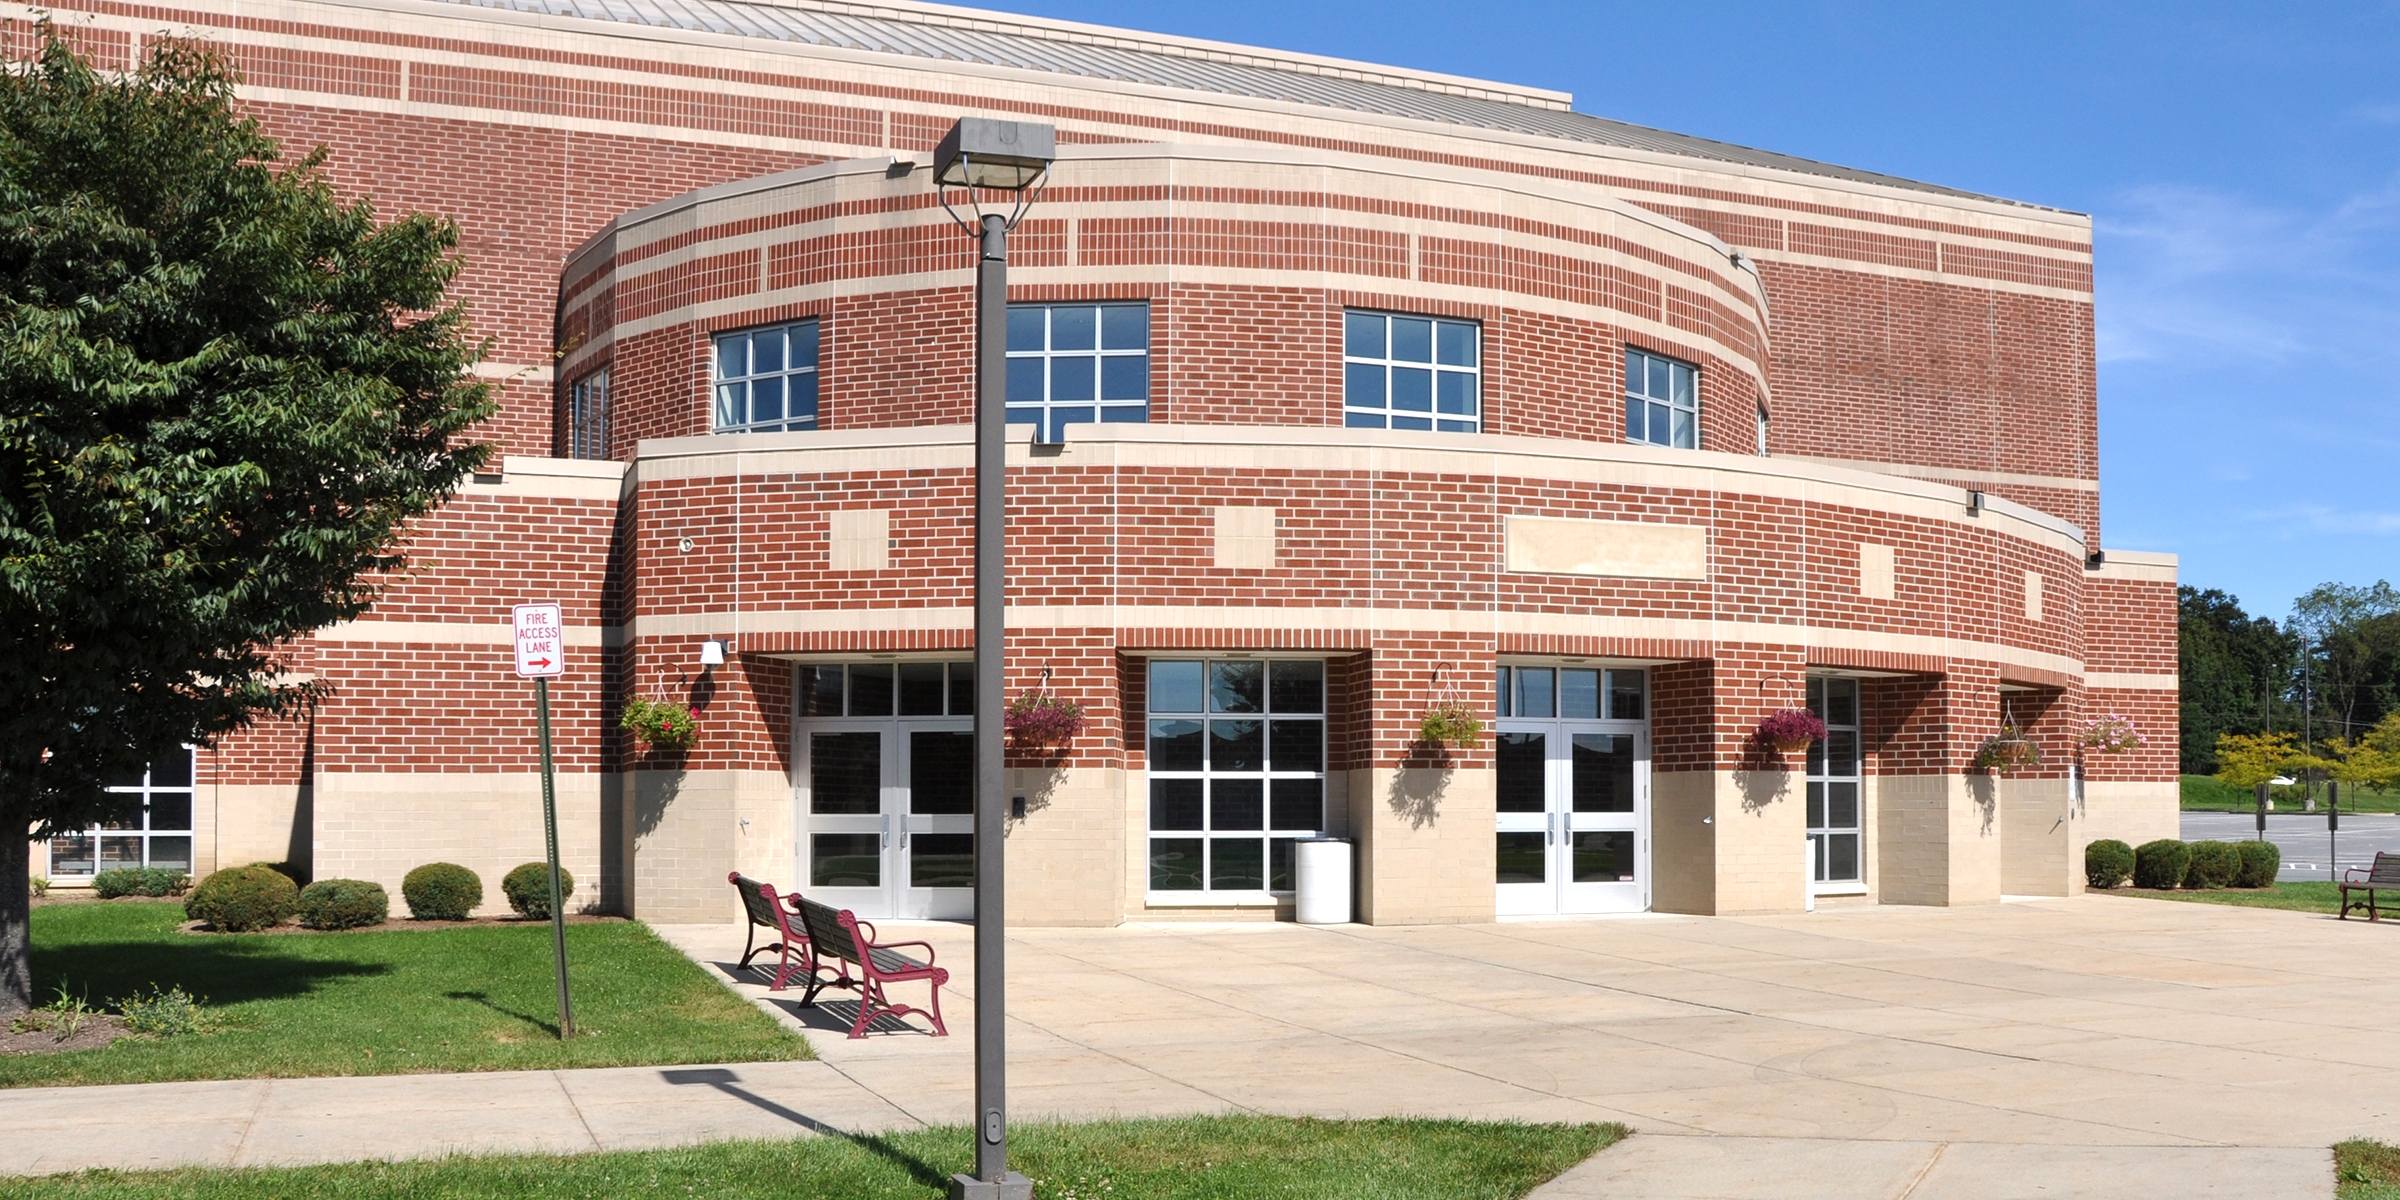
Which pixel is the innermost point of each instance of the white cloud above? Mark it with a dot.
(2322, 518)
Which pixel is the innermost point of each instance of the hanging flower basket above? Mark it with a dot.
(1790, 730)
(660, 724)
(2112, 734)
(1039, 720)
(1450, 723)
(2007, 752)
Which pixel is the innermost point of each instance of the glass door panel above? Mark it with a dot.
(1524, 840)
(1603, 867)
(845, 832)
(938, 838)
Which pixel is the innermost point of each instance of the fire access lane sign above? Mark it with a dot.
(541, 641)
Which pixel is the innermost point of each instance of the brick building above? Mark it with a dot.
(1345, 391)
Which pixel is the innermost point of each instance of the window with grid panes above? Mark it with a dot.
(883, 689)
(767, 378)
(156, 832)
(1237, 772)
(587, 416)
(1403, 372)
(1077, 364)
(1834, 829)
(1662, 400)
(1572, 693)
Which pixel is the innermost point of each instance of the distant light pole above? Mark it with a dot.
(1012, 157)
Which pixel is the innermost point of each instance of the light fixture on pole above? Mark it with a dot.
(1012, 157)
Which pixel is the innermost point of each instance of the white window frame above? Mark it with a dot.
(1268, 774)
(587, 416)
(1644, 410)
(1047, 367)
(732, 410)
(1821, 781)
(1360, 410)
(140, 829)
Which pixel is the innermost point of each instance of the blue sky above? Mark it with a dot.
(2242, 165)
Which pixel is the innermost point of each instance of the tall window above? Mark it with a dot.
(1833, 781)
(587, 416)
(1077, 364)
(1237, 772)
(1662, 400)
(1411, 373)
(157, 832)
(767, 379)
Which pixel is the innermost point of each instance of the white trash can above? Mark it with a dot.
(1323, 884)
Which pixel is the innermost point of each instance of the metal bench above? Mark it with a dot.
(850, 942)
(2383, 876)
(774, 914)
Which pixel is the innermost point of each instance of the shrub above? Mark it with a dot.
(441, 892)
(343, 904)
(528, 889)
(289, 871)
(2260, 862)
(40, 884)
(2213, 865)
(140, 881)
(240, 899)
(2107, 863)
(2160, 864)
(170, 1013)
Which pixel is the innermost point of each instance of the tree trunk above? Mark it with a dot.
(16, 932)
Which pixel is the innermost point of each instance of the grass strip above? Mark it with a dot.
(2202, 793)
(385, 1002)
(1185, 1158)
(2366, 1170)
(2315, 896)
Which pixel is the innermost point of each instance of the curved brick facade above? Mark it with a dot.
(626, 193)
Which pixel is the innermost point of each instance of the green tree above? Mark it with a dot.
(2236, 673)
(224, 390)
(2350, 637)
(2247, 760)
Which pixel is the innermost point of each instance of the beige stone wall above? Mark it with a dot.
(2131, 812)
(685, 832)
(1064, 856)
(1683, 841)
(380, 826)
(1424, 845)
(1937, 839)
(234, 825)
(1762, 841)
(2041, 843)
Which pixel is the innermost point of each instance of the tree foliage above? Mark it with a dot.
(2248, 760)
(224, 390)
(2236, 670)
(2351, 639)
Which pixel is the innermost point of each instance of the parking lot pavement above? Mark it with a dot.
(2302, 837)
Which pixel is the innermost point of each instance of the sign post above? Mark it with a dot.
(541, 654)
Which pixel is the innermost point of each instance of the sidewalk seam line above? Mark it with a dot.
(558, 1078)
(266, 1087)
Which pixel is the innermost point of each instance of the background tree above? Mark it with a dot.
(2247, 760)
(2350, 642)
(2237, 672)
(223, 391)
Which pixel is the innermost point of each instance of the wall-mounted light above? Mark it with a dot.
(1974, 504)
(713, 651)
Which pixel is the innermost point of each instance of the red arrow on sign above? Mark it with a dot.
(537, 662)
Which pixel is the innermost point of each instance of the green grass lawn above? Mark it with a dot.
(1189, 1158)
(385, 1002)
(2309, 896)
(2367, 1170)
(2202, 793)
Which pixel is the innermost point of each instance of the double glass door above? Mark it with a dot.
(1574, 817)
(887, 816)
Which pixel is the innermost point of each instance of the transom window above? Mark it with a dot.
(1833, 782)
(1237, 772)
(1077, 364)
(157, 833)
(883, 689)
(587, 416)
(1402, 372)
(1571, 693)
(1662, 400)
(767, 378)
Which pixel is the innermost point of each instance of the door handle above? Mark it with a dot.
(887, 831)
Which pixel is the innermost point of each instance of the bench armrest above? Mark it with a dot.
(896, 945)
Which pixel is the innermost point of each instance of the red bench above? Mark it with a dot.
(850, 942)
(774, 914)
(2384, 876)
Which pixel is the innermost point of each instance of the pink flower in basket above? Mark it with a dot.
(1039, 719)
(1791, 729)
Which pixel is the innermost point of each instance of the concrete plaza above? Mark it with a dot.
(2093, 1047)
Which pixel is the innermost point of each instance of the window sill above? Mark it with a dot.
(1214, 899)
(1839, 889)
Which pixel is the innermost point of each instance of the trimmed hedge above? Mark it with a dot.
(343, 904)
(2213, 865)
(241, 899)
(2260, 862)
(528, 889)
(140, 881)
(441, 892)
(2107, 863)
(2161, 864)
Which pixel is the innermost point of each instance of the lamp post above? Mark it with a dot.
(1012, 157)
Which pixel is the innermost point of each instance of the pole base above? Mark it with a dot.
(1012, 1186)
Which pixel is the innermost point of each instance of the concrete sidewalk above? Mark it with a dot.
(2095, 1047)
